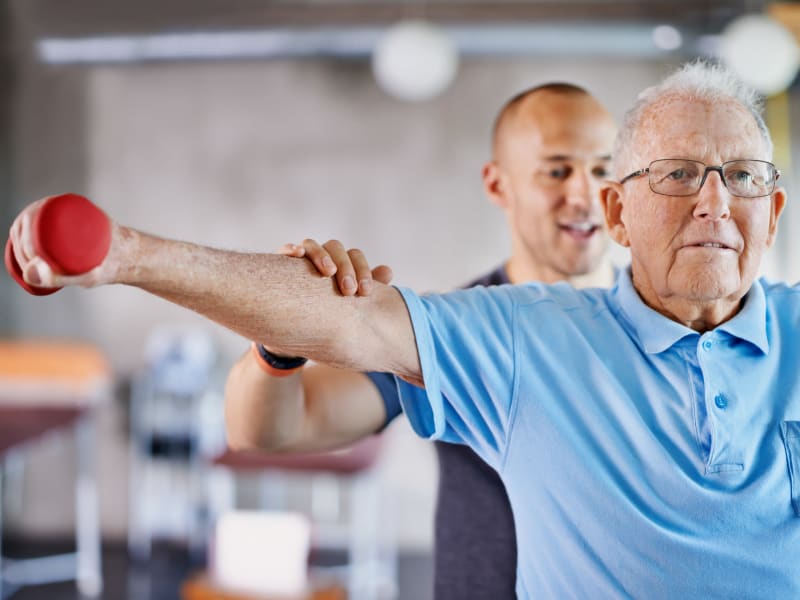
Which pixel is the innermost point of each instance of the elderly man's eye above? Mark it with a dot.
(741, 176)
(601, 172)
(679, 175)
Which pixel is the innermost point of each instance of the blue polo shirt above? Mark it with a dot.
(641, 459)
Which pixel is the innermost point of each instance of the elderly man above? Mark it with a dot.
(648, 435)
(551, 151)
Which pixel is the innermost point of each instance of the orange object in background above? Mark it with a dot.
(200, 588)
(51, 372)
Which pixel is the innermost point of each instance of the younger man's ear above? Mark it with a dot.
(611, 196)
(494, 185)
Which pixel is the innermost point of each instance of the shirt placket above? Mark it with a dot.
(721, 405)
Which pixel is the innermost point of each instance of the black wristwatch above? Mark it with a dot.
(282, 363)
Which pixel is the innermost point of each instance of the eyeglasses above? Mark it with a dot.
(683, 177)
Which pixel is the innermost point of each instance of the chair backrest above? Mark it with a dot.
(179, 361)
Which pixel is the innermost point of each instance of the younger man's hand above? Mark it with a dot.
(353, 275)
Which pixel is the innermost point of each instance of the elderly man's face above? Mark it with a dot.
(693, 258)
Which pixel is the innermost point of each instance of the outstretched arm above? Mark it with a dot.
(276, 300)
(317, 407)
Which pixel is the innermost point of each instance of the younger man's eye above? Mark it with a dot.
(601, 172)
(560, 173)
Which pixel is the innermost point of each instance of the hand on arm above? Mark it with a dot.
(315, 408)
(352, 271)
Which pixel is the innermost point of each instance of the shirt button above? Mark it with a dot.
(721, 401)
(707, 344)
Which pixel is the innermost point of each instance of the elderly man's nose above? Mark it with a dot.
(713, 199)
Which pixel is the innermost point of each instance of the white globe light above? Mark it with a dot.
(666, 37)
(415, 61)
(762, 52)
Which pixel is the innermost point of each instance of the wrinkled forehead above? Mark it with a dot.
(711, 131)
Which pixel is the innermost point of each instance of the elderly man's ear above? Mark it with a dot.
(611, 195)
(778, 201)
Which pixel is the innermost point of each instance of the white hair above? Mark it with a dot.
(698, 80)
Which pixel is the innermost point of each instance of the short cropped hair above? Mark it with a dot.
(511, 106)
(698, 80)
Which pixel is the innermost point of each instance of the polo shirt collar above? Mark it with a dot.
(657, 333)
(750, 323)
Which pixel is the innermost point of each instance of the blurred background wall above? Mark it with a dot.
(251, 153)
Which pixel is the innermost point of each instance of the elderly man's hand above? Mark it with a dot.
(352, 271)
(39, 273)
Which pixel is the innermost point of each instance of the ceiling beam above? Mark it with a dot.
(82, 18)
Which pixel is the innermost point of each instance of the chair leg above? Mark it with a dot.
(2, 491)
(372, 556)
(326, 501)
(87, 527)
(220, 491)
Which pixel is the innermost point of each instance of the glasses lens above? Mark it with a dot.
(676, 177)
(749, 178)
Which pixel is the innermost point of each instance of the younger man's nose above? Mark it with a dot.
(580, 191)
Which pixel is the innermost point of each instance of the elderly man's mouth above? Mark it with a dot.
(710, 245)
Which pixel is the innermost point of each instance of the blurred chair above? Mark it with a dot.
(177, 433)
(46, 387)
(175, 413)
(356, 524)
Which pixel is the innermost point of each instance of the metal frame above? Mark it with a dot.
(84, 565)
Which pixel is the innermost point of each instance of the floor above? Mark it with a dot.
(161, 577)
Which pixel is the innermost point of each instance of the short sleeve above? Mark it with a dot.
(387, 388)
(466, 350)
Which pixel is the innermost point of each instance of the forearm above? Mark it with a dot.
(273, 299)
(263, 412)
(316, 408)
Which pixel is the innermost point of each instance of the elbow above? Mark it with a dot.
(243, 435)
(248, 427)
(247, 441)
(241, 442)
(239, 434)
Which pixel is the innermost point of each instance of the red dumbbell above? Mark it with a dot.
(70, 233)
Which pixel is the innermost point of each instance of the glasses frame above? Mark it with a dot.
(718, 169)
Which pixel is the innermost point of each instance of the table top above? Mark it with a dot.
(20, 424)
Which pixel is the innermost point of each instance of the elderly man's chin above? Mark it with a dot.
(708, 283)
